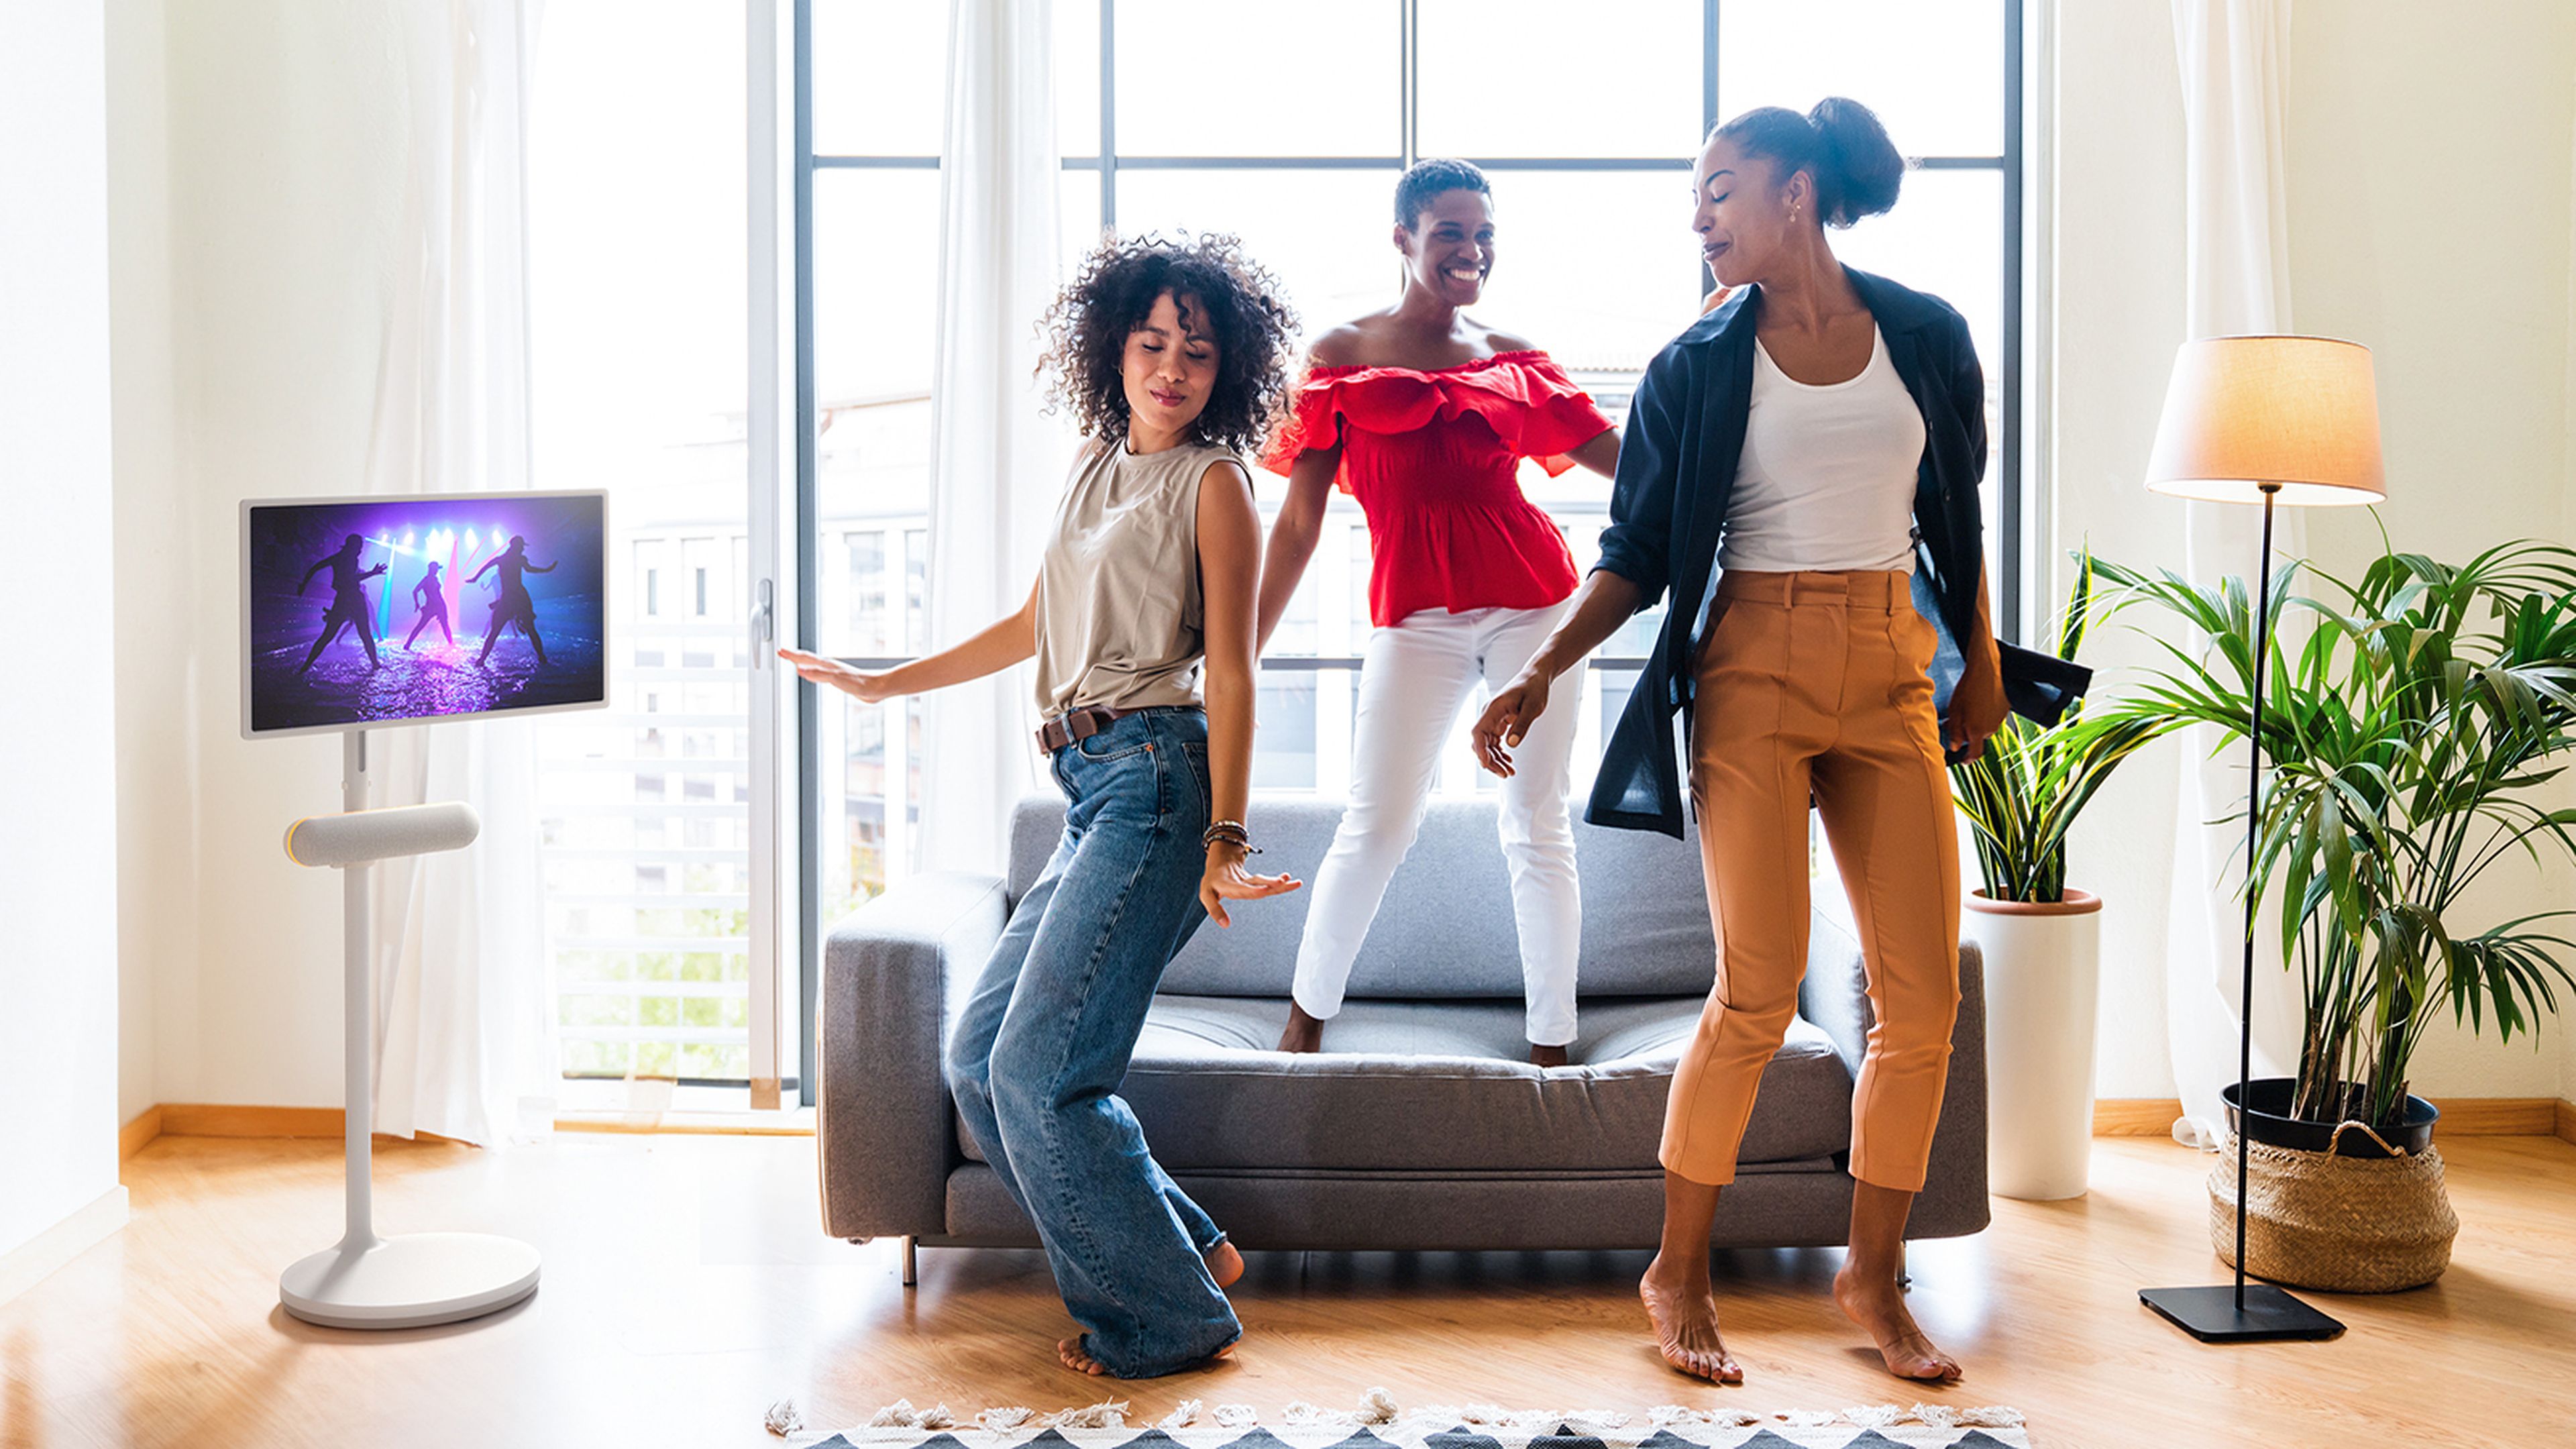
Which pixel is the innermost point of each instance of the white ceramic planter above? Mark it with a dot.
(2043, 972)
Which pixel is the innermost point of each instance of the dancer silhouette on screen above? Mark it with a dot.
(513, 606)
(348, 599)
(425, 596)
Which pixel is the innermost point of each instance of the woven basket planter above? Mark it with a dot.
(2342, 1224)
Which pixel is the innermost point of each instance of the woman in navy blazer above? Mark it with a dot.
(1668, 506)
(1815, 663)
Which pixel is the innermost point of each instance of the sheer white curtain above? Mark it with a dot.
(2233, 55)
(996, 463)
(463, 1007)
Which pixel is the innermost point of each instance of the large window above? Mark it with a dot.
(1288, 125)
(1285, 124)
(637, 325)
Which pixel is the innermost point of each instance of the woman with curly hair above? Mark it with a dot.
(1423, 414)
(1172, 357)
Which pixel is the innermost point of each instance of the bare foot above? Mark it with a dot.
(1684, 1315)
(1304, 1033)
(1224, 1264)
(1878, 1306)
(1070, 1350)
(1546, 1056)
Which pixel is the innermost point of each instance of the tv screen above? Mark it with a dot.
(404, 608)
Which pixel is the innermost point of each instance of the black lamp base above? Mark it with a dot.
(2211, 1314)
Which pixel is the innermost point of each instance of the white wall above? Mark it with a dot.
(254, 214)
(2430, 164)
(156, 667)
(286, 156)
(258, 150)
(2118, 199)
(58, 881)
(2430, 154)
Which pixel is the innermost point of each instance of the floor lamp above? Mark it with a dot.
(2269, 420)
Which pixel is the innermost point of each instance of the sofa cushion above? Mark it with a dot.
(1446, 1085)
(1445, 927)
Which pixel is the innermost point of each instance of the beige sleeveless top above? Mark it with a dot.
(1120, 623)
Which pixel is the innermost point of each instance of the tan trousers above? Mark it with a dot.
(1816, 682)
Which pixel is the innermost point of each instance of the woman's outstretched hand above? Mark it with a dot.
(868, 688)
(1506, 719)
(1226, 880)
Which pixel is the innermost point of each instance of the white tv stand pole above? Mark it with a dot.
(358, 1017)
(417, 1279)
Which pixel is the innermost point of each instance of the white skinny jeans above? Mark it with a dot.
(1414, 676)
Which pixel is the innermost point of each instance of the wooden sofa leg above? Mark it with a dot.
(911, 1262)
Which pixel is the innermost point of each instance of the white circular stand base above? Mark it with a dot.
(410, 1282)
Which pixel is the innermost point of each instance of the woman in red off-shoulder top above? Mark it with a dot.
(1423, 415)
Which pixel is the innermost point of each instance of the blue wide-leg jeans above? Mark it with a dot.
(1047, 1032)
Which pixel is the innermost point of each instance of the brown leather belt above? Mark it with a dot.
(1078, 724)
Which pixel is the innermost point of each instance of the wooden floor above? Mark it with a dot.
(687, 1287)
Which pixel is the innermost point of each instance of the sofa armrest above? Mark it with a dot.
(1835, 997)
(883, 1124)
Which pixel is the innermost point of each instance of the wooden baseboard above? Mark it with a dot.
(2135, 1116)
(190, 1119)
(2496, 1116)
(132, 1138)
(2112, 1117)
(2461, 1117)
(655, 1122)
(223, 1119)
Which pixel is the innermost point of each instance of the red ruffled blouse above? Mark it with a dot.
(1433, 459)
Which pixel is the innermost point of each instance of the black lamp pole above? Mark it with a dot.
(2262, 1311)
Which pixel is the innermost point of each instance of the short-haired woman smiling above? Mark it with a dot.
(1423, 414)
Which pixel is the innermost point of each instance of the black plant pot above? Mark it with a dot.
(2263, 1117)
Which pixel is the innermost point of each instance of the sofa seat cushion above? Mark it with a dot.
(1446, 1086)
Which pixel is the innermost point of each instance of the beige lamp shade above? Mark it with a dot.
(2297, 415)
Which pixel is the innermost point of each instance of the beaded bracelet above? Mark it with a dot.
(1231, 831)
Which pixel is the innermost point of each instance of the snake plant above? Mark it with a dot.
(2023, 792)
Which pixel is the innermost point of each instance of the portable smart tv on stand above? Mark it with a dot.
(499, 602)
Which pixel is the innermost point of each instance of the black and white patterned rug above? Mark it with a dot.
(1380, 1425)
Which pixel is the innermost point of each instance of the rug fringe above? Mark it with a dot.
(1378, 1409)
(902, 1415)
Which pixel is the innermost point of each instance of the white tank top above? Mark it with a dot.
(1826, 480)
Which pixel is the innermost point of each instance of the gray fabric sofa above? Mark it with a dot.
(1424, 1126)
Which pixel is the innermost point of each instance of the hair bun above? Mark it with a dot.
(1859, 170)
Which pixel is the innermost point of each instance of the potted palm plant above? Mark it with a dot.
(2041, 940)
(2413, 719)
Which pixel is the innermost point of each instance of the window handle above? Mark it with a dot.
(763, 632)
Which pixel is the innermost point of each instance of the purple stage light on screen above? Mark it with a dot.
(343, 627)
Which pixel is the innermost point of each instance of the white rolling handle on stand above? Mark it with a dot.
(417, 1279)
